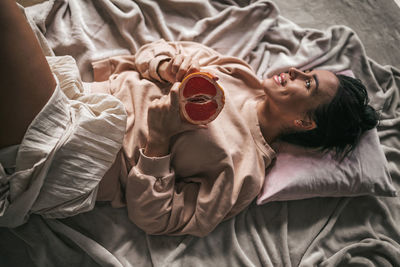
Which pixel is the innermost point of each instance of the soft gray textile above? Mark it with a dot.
(376, 22)
(321, 231)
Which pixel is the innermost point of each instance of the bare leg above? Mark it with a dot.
(26, 81)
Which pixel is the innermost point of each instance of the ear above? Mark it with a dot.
(305, 124)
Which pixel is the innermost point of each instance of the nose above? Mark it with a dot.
(294, 73)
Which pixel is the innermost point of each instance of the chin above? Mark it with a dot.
(268, 85)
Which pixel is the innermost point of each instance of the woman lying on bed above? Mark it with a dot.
(173, 177)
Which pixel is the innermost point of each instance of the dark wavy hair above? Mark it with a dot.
(341, 122)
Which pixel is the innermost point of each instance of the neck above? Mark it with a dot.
(270, 123)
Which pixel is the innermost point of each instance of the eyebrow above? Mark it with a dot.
(316, 84)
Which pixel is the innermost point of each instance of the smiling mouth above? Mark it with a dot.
(279, 79)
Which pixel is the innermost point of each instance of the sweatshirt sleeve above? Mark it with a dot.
(145, 61)
(149, 56)
(161, 203)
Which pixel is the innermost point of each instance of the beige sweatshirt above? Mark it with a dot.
(210, 174)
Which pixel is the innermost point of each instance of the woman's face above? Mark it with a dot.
(295, 93)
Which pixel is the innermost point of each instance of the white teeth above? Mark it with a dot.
(280, 79)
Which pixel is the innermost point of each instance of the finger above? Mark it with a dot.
(177, 62)
(155, 104)
(195, 67)
(174, 95)
(164, 70)
(168, 76)
(184, 68)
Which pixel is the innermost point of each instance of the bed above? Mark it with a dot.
(319, 231)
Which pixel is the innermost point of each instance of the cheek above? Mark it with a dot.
(272, 89)
(289, 97)
(289, 103)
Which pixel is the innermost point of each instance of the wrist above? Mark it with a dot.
(158, 148)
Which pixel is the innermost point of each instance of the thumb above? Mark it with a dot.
(174, 94)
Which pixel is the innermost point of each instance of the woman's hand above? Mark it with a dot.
(177, 68)
(164, 121)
